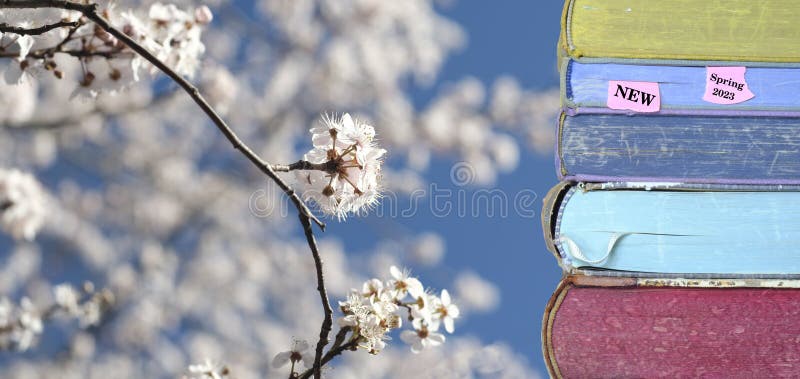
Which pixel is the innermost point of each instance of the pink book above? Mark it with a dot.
(677, 328)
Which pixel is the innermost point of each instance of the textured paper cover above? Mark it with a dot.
(729, 30)
(604, 327)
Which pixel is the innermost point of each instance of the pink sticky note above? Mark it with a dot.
(634, 96)
(726, 85)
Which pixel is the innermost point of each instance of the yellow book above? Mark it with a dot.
(712, 30)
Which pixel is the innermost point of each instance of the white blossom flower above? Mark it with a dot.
(445, 311)
(30, 325)
(403, 284)
(19, 70)
(203, 15)
(422, 308)
(67, 298)
(176, 34)
(90, 315)
(207, 370)
(299, 352)
(372, 288)
(6, 312)
(422, 337)
(373, 331)
(351, 185)
(355, 309)
(169, 33)
(22, 204)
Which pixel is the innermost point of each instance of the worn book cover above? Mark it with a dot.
(600, 327)
(714, 30)
(681, 89)
(678, 148)
(671, 228)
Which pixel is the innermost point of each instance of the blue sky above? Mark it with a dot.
(516, 38)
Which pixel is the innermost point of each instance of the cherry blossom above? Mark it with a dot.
(22, 204)
(352, 183)
(446, 311)
(422, 337)
(403, 284)
(208, 369)
(298, 353)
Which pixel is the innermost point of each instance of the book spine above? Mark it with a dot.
(733, 30)
(682, 88)
(550, 312)
(550, 209)
(681, 230)
(693, 149)
(629, 330)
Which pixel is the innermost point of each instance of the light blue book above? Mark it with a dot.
(675, 228)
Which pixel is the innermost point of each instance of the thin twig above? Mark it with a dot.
(305, 215)
(47, 53)
(332, 353)
(305, 165)
(6, 28)
(327, 322)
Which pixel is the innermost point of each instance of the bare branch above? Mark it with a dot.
(327, 322)
(47, 53)
(332, 353)
(5, 28)
(304, 165)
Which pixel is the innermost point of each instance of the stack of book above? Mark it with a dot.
(677, 221)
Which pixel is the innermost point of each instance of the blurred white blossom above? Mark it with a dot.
(422, 336)
(208, 369)
(106, 64)
(22, 204)
(298, 353)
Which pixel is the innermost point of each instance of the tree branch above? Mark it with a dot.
(325, 329)
(332, 353)
(5, 28)
(304, 165)
(305, 215)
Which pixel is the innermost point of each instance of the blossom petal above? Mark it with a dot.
(396, 273)
(308, 360)
(347, 122)
(409, 337)
(14, 73)
(300, 346)
(25, 43)
(448, 324)
(418, 346)
(445, 297)
(435, 339)
(281, 359)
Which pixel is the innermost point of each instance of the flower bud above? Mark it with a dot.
(203, 15)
